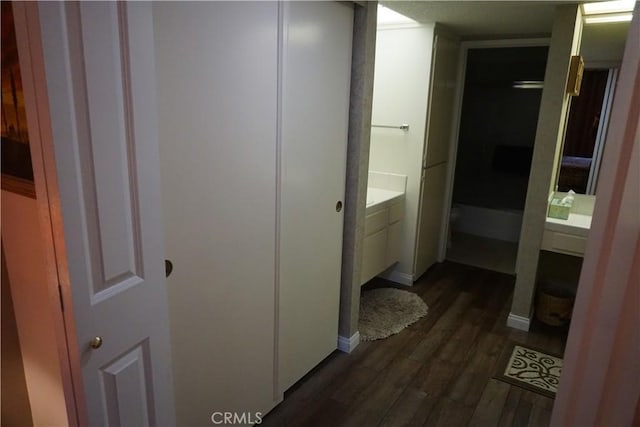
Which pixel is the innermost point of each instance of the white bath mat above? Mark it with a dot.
(387, 311)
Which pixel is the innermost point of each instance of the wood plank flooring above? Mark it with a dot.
(437, 372)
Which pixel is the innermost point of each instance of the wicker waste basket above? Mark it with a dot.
(555, 303)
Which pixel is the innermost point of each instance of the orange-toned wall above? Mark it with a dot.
(26, 267)
(16, 410)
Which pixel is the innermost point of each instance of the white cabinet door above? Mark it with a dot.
(99, 67)
(432, 199)
(437, 143)
(316, 74)
(217, 96)
(442, 98)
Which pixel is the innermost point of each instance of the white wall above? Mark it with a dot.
(400, 92)
(565, 41)
(602, 45)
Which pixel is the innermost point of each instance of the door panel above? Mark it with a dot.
(217, 99)
(112, 219)
(374, 253)
(316, 75)
(98, 60)
(127, 388)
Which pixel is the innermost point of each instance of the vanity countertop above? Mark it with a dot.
(379, 196)
(579, 221)
(576, 224)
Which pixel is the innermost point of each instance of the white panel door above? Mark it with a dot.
(316, 73)
(437, 143)
(99, 67)
(217, 95)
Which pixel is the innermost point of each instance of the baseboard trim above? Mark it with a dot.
(398, 277)
(518, 322)
(347, 345)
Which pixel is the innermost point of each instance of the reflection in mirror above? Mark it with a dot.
(586, 130)
(602, 47)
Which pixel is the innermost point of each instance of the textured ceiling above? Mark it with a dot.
(503, 19)
(482, 19)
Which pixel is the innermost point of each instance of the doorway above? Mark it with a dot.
(496, 134)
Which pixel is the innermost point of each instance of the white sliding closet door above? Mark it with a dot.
(216, 66)
(316, 73)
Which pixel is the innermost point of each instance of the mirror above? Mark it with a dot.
(602, 48)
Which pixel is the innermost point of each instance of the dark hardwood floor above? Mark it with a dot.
(437, 372)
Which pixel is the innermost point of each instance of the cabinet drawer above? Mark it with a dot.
(396, 212)
(376, 222)
(563, 243)
(373, 256)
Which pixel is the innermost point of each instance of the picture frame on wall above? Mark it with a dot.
(17, 171)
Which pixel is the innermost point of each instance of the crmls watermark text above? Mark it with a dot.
(236, 417)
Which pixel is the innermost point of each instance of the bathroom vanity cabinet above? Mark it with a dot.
(564, 243)
(415, 84)
(383, 232)
(569, 236)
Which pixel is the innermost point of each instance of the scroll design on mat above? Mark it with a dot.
(535, 368)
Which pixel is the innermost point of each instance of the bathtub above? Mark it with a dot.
(493, 223)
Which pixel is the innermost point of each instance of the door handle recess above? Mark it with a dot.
(168, 267)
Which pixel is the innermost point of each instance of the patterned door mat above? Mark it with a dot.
(530, 369)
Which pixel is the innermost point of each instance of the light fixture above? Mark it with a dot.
(612, 17)
(608, 11)
(602, 7)
(387, 16)
(527, 84)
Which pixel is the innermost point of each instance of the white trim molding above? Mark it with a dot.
(399, 277)
(518, 322)
(347, 345)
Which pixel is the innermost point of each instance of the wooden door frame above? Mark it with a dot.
(457, 117)
(29, 41)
